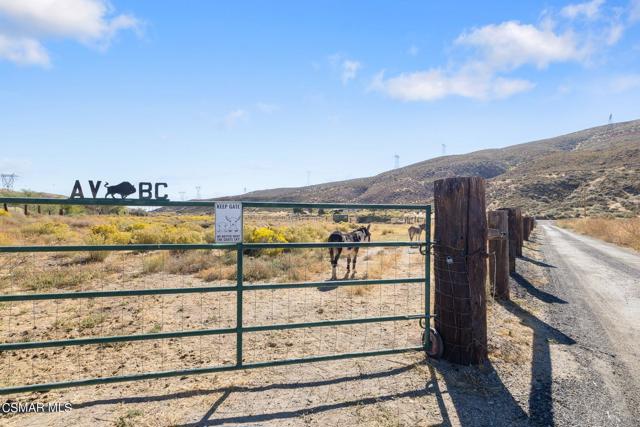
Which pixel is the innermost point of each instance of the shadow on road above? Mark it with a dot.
(535, 292)
(536, 262)
(540, 395)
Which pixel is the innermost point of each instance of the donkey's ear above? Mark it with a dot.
(368, 226)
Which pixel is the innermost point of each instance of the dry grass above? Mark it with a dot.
(620, 231)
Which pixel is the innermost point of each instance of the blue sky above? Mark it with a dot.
(235, 95)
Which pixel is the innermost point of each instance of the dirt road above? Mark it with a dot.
(600, 285)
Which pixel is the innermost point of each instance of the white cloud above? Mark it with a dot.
(233, 118)
(349, 70)
(435, 84)
(624, 83)
(588, 10)
(28, 23)
(23, 51)
(494, 52)
(511, 44)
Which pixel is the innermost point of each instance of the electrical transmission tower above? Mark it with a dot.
(308, 177)
(181, 193)
(396, 161)
(8, 179)
(444, 149)
(198, 196)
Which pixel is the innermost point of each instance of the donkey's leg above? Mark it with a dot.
(355, 257)
(334, 261)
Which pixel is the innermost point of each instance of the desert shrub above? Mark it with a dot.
(259, 269)
(91, 321)
(154, 263)
(4, 213)
(620, 231)
(190, 262)
(60, 278)
(265, 235)
(51, 231)
(164, 233)
(109, 234)
(218, 273)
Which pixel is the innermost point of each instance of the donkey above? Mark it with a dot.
(359, 235)
(416, 231)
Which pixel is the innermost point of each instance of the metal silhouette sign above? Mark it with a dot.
(145, 190)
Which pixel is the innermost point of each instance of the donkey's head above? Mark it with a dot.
(366, 232)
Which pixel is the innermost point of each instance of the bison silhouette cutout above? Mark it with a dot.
(124, 189)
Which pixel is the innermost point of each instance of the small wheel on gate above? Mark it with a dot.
(437, 347)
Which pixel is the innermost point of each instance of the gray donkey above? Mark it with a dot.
(361, 234)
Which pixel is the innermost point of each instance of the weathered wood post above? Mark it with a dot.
(26, 209)
(460, 268)
(39, 210)
(519, 231)
(61, 212)
(6, 208)
(513, 237)
(499, 254)
(526, 225)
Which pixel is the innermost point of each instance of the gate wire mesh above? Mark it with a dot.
(62, 319)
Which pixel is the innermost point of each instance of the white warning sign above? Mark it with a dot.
(228, 222)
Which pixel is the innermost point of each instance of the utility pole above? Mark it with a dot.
(308, 177)
(8, 179)
(182, 193)
(444, 149)
(396, 161)
(198, 195)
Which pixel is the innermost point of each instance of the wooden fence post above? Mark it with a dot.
(460, 268)
(526, 227)
(6, 208)
(519, 231)
(513, 237)
(61, 212)
(499, 254)
(26, 209)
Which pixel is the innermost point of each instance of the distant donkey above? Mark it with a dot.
(359, 235)
(416, 231)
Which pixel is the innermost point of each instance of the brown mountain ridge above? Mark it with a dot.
(595, 171)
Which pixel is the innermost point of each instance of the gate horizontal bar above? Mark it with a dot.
(202, 289)
(327, 245)
(324, 323)
(200, 246)
(250, 204)
(132, 247)
(330, 284)
(105, 202)
(200, 371)
(204, 204)
(114, 293)
(200, 332)
(113, 339)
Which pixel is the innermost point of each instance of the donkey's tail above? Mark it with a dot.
(106, 184)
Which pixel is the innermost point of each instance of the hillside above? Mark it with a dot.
(594, 171)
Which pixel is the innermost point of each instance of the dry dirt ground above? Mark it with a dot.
(539, 372)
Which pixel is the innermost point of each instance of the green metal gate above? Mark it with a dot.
(240, 289)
